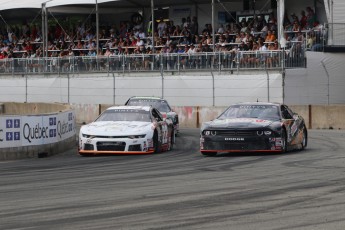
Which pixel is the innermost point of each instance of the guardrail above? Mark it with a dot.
(216, 61)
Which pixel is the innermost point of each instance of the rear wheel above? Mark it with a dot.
(305, 138)
(156, 147)
(209, 154)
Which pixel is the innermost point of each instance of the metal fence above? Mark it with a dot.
(215, 61)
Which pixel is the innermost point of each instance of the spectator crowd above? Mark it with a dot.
(258, 33)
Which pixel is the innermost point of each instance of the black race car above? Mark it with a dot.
(254, 127)
(159, 103)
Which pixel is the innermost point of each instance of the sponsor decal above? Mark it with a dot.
(253, 106)
(234, 138)
(279, 142)
(36, 130)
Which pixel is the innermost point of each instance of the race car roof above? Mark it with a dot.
(127, 107)
(147, 97)
(258, 103)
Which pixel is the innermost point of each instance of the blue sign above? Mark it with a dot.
(9, 123)
(17, 136)
(52, 121)
(52, 133)
(9, 136)
(16, 123)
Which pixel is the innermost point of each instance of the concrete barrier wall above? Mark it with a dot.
(16, 108)
(36, 129)
(315, 116)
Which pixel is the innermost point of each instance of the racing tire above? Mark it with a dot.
(305, 138)
(172, 140)
(284, 141)
(209, 154)
(156, 147)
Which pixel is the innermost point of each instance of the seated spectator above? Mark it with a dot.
(220, 29)
(310, 18)
(185, 41)
(199, 48)
(303, 19)
(107, 52)
(207, 48)
(238, 38)
(296, 26)
(168, 41)
(122, 42)
(177, 31)
(270, 37)
(196, 39)
(208, 40)
(139, 42)
(141, 34)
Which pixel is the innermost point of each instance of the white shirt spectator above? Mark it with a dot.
(263, 47)
(141, 34)
(162, 26)
(139, 42)
(191, 50)
(220, 29)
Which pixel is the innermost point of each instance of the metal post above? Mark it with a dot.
(46, 32)
(327, 74)
(26, 87)
(268, 84)
(114, 88)
(68, 93)
(43, 29)
(283, 85)
(213, 90)
(213, 34)
(153, 25)
(162, 75)
(97, 29)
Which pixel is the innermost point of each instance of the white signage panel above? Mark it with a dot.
(18, 131)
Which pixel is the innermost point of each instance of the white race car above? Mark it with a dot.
(127, 130)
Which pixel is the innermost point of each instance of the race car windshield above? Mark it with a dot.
(125, 115)
(161, 105)
(265, 112)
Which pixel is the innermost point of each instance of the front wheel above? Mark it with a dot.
(284, 141)
(172, 140)
(209, 154)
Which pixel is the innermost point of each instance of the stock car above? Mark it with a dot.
(161, 104)
(127, 130)
(254, 127)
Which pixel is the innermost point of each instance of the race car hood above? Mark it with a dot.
(238, 123)
(112, 128)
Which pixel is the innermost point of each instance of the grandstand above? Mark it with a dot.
(224, 36)
(84, 36)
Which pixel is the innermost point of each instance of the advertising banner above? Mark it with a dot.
(16, 131)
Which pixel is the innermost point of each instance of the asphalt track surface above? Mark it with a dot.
(179, 189)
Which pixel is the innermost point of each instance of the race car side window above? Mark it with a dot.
(286, 113)
(156, 115)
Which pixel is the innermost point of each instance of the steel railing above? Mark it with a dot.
(292, 57)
